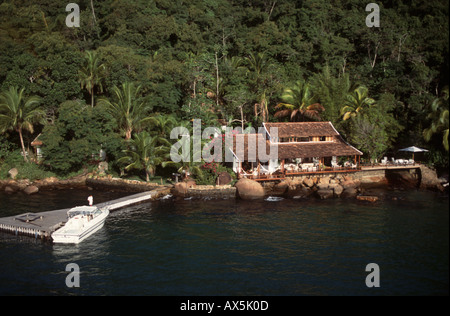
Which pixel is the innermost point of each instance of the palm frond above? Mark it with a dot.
(282, 113)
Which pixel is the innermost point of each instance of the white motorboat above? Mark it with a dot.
(83, 221)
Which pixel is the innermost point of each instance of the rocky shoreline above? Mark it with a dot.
(356, 185)
(81, 182)
(32, 187)
(323, 187)
(364, 186)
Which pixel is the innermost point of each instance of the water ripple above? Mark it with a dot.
(233, 247)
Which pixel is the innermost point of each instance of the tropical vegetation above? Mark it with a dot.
(144, 154)
(133, 70)
(19, 113)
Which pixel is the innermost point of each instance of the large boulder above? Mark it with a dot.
(31, 189)
(280, 188)
(181, 188)
(323, 186)
(249, 190)
(350, 183)
(429, 179)
(325, 193)
(308, 182)
(402, 178)
(299, 192)
(224, 178)
(10, 189)
(349, 192)
(337, 189)
(13, 173)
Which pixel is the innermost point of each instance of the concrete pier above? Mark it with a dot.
(43, 224)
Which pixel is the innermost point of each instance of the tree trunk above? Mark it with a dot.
(195, 84)
(242, 117)
(92, 97)
(217, 80)
(23, 146)
(400, 44)
(271, 10)
(93, 13)
(263, 105)
(128, 133)
(372, 63)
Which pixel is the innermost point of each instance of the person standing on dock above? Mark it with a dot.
(91, 200)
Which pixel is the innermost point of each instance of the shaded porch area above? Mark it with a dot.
(281, 175)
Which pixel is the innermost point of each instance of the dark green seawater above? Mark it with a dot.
(234, 247)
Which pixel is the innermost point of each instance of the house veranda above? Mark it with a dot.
(302, 148)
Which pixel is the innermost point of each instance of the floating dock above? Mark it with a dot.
(43, 224)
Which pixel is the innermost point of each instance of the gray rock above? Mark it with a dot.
(249, 190)
(32, 189)
(299, 192)
(308, 182)
(224, 178)
(338, 189)
(280, 188)
(429, 179)
(349, 192)
(13, 173)
(9, 189)
(325, 194)
(323, 186)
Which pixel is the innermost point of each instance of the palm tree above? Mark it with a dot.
(439, 118)
(161, 124)
(258, 64)
(129, 109)
(187, 165)
(356, 102)
(92, 74)
(299, 102)
(19, 113)
(332, 92)
(261, 107)
(143, 153)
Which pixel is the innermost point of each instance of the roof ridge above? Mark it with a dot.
(315, 122)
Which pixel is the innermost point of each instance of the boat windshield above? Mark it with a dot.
(83, 211)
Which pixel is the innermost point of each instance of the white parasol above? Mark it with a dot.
(413, 149)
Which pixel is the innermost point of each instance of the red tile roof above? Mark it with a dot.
(338, 147)
(302, 129)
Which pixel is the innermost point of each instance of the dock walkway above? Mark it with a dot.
(390, 167)
(328, 170)
(43, 224)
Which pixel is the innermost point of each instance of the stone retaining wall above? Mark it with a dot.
(321, 186)
(371, 176)
(190, 189)
(120, 184)
(212, 191)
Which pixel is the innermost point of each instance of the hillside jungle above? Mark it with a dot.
(113, 88)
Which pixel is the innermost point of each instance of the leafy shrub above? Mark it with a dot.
(209, 172)
(76, 137)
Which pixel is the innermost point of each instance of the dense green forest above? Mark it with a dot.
(134, 69)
